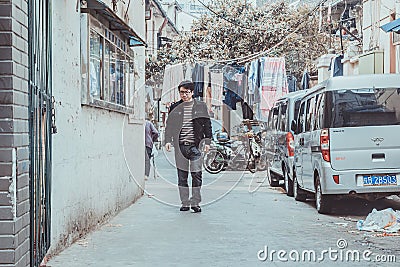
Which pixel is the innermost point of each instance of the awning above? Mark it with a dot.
(116, 23)
(393, 26)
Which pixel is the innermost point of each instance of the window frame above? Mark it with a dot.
(275, 117)
(123, 53)
(320, 112)
(300, 118)
(308, 112)
(283, 109)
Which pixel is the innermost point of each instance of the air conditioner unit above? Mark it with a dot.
(371, 62)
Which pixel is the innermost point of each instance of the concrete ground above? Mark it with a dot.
(241, 216)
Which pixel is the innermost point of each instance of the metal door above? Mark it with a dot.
(41, 126)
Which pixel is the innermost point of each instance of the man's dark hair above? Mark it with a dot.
(187, 85)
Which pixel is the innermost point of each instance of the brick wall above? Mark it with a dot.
(14, 135)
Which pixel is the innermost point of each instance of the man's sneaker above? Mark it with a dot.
(184, 208)
(196, 208)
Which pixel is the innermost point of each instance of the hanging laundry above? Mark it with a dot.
(188, 72)
(208, 98)
(274, 83)
(245, 95)
(149, 93)
(198, 80)
(240, 85)
(230, 78)
(173, 75)
(337, 69)
(254, 82)
(217, 87)
(253, 76)
(232, 84)
(247, 111)
(292, 83)
(231, 99)
(206, 80)
(260, 69)
(305, 80)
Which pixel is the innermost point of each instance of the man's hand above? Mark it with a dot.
(206, 148)
(168, 147)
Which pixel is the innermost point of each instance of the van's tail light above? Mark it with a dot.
(290, 144)
(324, 143)
(336, 178)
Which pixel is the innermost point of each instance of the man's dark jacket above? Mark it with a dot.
(201, 123)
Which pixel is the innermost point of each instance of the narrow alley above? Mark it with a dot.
(241, 215)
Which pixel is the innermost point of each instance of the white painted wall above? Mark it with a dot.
(153, 26)
(375, 14)
(98, 156)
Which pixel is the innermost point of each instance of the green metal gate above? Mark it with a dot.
(41, 127)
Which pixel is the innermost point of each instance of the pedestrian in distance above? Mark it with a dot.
(188, 128)
(151, 136)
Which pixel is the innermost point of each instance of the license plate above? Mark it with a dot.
(377, 180)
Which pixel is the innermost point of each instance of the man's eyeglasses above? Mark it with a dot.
(185, 92)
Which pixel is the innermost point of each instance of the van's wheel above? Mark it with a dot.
(272, 183)
(288, 184)
(323, 203)
(298, 193)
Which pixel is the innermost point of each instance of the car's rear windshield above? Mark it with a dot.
(363, 107)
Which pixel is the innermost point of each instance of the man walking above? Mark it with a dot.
(188, 126)
(150, 135)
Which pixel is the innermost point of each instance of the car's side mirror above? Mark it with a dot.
(293, 126)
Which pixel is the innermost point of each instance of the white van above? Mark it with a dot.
(279, 141)
(347, 139)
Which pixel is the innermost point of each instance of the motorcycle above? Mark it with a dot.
(246, 153)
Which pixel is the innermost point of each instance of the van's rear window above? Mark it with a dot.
(363, 107)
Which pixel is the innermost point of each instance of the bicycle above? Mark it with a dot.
(226, 153)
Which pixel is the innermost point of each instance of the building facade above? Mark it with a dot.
(185, 12)
(381, 49)
(98, 87)
(72, 120)
(161, 30)
(14, 134)
(371, 49)
(160, 27)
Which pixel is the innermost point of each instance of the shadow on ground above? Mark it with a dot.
(358, 206)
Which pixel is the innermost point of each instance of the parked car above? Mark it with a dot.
(347, 140)
(279, 140)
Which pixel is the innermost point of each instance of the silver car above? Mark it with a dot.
(347, 140)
